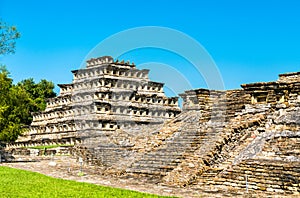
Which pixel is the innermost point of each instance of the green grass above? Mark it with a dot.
(20, 183)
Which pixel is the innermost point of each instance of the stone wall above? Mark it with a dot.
(213, 104)
(4, 155)
(222, 136)
(126, 124)
(289, 77)
(262, 175)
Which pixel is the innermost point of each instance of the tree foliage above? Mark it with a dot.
(17, 102)
(8, 36)
(38, 92)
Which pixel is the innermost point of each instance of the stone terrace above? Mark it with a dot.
(224, 136)
(238, 140)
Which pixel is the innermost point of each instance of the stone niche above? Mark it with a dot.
(259, 97)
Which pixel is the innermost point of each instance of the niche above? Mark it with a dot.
(260, 97)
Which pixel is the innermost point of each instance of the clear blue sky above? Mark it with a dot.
(250, 41)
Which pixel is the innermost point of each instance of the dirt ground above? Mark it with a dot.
(66, 167)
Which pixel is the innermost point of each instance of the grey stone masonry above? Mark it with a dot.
(104, 97)
(237, 140)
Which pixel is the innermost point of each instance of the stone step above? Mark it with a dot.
(146, 172)
(155, 165)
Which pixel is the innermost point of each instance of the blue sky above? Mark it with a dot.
(249, 41)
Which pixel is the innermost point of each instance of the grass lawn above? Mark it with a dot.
(20, 183)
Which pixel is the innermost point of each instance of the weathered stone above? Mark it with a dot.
(118, 119)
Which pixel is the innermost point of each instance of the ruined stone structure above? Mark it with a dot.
(105, 96)
(238, 140)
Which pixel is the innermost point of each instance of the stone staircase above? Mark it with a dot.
(218, 153)
(208, 177)
(105, 155)
(269, 160)
(218, 144)
(169, 155)
(199, 132)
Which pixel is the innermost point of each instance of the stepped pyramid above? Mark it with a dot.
(105, 96)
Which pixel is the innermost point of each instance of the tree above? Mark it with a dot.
(8, 37)
(9, 127)
(38, 92)
(17, 115)
(17, 102)
(5, 85)
(11, 112)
